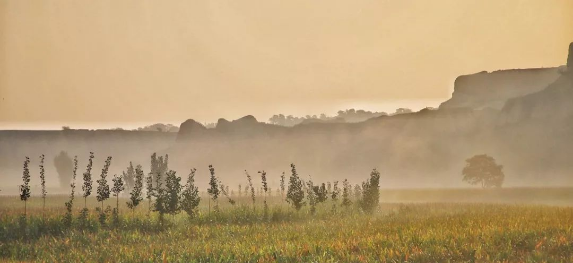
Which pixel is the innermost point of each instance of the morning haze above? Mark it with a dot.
(109, 63)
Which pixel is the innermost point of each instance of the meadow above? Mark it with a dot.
(461, 230)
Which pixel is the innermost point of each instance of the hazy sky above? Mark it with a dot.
(122, 63)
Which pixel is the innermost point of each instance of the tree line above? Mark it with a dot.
(167, 194)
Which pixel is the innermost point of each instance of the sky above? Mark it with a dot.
(129, 63)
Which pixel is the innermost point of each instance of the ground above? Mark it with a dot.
(454, 231)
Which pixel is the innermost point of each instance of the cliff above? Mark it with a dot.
(493, 89)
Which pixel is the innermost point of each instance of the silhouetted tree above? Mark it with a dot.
(482, 169)
(371, 192)
(190, 197)
(295, 192)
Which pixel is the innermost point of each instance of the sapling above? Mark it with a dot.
(25, 187)
(135, 194)
(69, 204)
(129, 177)
(225, 192)
(173, 189)
(311, 195)
(265, 189)
(149, 191)
(282, 187)
(43, 183)
(213, 190)
(118, 187)
(321, 193)
(252, 188)
(346, 189)
(103, 187)
(334, 196)
(160, 195)
(295, 194)
(240, 193)
(371, 192)
(87, 176)
(357, 192)
(190, 196)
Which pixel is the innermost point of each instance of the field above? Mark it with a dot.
(512, 227)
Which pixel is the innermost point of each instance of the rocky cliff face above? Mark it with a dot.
(483, 90)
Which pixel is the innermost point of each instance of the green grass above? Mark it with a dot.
(414, 232)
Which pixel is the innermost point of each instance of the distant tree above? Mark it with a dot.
(129, 177)
(371, 192)
(135, 194)
(64, 167)
(402, 111)
(482, 169)
(190, 196)
(25, 187)
(295, 192)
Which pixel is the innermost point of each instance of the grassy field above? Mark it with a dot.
(411, 232)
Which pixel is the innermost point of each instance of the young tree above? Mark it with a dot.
(346, 189)
(357, 192)
(103, 187)
(282, 185)
(240, 193)
(320, 193)
(43, 183)
(160, 198)
(117, 188)
(482, 169)
(149, 191)
(265, 189)
(371, 192)
(25, 187)
(250, 186)
(225, 192)
(173, 188)
(334, 196)
(311, 195)
(64, 167)
(129, 177)
(69, 204)
(135, 194)
(213, 190)
(87, 186)
(190, 197)
(295, 194)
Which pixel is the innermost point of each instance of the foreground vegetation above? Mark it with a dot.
(161, 217)
(394, 233)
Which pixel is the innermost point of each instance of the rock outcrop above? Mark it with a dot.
(483, 90)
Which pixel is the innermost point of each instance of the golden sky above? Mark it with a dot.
(122, 63)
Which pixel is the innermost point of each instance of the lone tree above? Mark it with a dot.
(482, 169)
(64, 166)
